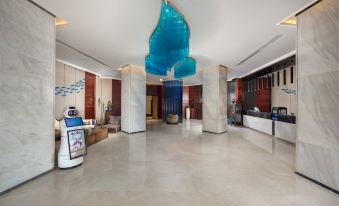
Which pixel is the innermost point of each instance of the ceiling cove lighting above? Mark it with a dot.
(169, 45)
(59, 21)
(290, 21)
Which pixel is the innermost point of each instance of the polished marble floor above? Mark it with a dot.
(178, 165)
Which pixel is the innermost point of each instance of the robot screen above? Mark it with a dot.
(73, 122)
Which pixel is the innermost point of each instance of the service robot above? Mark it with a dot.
(73, 142)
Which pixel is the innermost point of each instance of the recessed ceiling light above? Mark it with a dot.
(59, 21)
(290, 21)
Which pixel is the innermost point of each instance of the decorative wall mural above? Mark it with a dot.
(169, 45)
(71, 89)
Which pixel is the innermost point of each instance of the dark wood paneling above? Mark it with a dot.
(249, 94)
(195, 101)
(263, 94)
(155, 91)
(262, 99)
(152, 90)
(231, 95)
(89, 95)
(239, 91)
(116, 97)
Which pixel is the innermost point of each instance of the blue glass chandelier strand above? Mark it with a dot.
(169, 43)
(185, 68)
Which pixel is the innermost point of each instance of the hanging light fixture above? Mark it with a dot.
(169, 45)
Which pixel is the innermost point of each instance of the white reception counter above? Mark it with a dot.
(279, 129)
(257, 123)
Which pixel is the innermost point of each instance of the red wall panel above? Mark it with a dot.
(239, 91)
(263, 94)
(89, 95)
(116, 97)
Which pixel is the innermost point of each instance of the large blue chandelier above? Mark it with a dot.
(169, 45)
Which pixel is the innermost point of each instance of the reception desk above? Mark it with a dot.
(286, 131)
(258, 123)
(283, 127)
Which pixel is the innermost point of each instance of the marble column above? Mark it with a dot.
(133, 99)
(27, 62)
(214, 100)
(317, 153)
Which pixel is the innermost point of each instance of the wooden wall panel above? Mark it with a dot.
(239, 91)
(116, 97)
(195, 101)
(89, 95)
(156, 92)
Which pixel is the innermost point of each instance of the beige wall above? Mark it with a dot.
(149, 105)
(66, 76)
(155, 107)
(103, 92)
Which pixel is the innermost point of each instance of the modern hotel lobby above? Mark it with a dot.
(169, 102)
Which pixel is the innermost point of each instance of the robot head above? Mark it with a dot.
(71, 112)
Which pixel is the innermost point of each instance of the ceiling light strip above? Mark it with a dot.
(267, 44)
(285, 56)
(308, 7)
(77, 50)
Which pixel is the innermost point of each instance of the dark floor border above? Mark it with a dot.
(307, 8)
(318, 183)
(134, 132)
(25, 182)
(42, 8)
(69, 168)
(214, 132)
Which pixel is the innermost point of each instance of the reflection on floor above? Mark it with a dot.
(178, 165)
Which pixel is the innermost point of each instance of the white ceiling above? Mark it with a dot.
(223, 32)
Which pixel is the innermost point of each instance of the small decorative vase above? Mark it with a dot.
(188, 113)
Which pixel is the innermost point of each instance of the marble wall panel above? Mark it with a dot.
(317, 154)
(27, 58)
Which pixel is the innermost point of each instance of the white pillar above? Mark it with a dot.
(215, 100)
(133, 99)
